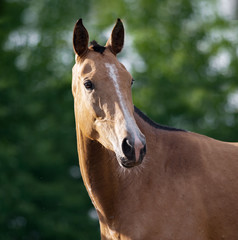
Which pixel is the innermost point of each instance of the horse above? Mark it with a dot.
(145, 180)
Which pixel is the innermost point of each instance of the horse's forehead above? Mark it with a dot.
(87, 67)
(96, 63)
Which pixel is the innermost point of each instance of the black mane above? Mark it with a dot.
(154, 124)
(96, 47)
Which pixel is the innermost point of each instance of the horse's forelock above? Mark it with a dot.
(96, 47)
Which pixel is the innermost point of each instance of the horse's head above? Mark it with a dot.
(102, 96)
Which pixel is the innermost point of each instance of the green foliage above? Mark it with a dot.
(42, 195)
(173, 46)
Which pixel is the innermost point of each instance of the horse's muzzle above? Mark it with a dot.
(134, 152)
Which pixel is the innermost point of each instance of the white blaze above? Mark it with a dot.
(113, 73)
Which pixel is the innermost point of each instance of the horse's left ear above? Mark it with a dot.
(116, 41)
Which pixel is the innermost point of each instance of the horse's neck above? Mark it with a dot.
(108, 183)
(104, 179)
(99, 170)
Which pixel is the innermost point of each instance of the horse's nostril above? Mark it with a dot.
(128, 149)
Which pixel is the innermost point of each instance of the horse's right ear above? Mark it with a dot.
(80, 38)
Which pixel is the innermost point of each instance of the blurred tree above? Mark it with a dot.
(41, 195)
(236, 10)
(183, 55)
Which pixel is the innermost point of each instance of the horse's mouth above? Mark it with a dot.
(124, 162)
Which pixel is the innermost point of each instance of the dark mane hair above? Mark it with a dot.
(154, 124)
(96, 47)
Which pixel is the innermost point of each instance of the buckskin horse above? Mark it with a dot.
(145, 180)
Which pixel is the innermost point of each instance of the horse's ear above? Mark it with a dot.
(80, 38)
(116, 41)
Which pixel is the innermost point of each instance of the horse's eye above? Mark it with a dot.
(132, 81)
(88, 85)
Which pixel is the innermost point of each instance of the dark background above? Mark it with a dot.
(182, 54)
